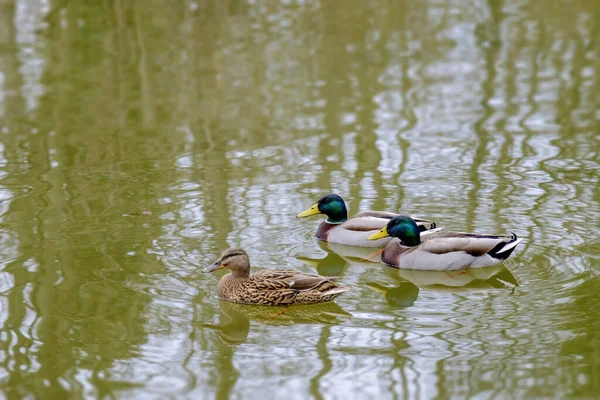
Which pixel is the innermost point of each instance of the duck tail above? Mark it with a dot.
(504, 249)
(426, 225)
(431, 231)
(338, 290)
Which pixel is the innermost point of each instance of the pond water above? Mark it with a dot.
(140, 139)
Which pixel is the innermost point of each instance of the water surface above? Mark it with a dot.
(140, 139)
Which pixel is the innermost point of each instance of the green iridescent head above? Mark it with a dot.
(331, 205)
(402, 227)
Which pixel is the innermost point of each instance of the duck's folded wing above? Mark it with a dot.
(453, 234)
(368, 221)
(290, 279)
(309, 282)
(475, 246)
(375, 214)
(374, 220)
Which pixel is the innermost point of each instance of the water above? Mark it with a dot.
(138, 140)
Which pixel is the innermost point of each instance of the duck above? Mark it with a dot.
(354, 231)
(272, 286)
(441, 251)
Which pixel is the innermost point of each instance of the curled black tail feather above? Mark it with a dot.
(423, 228)
(498, 253)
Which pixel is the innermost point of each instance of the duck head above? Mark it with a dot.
(331, 205)
(402, 227)
(235, 259)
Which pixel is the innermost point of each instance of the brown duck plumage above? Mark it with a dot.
(271, 287)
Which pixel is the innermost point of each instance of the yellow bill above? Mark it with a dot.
(314, 210)
(381, 234)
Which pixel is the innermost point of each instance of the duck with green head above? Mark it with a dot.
(441, 251)
(337, 228)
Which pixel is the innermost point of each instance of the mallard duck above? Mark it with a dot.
(354, 231)
(270, 286)
(441, 251)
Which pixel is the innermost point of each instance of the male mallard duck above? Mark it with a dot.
(354, 231)
(272, 286)
(441, 251)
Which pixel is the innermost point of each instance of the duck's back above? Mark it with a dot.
(356, 230)
(281, 287)
(445, 251)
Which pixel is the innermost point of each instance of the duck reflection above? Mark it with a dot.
(363, 256)
(497, 276)
(402, 296)
(408, 282)
(405, 292)
(234, 321)
(331, 265)
(233, 326)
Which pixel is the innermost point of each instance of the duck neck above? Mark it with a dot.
(410, 242)
(230, 282)
(410, 237)
(240, 274)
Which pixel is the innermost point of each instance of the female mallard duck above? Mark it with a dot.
(354, 231)
(441, 251)
(273, 286)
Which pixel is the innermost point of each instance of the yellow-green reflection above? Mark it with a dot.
(496, 276)
(403, 295)
(234, 324)
(330, 265)
(140, 139)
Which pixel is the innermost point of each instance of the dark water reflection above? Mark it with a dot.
(138, 140)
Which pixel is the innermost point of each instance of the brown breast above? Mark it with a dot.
(392, 252)
(323, 230)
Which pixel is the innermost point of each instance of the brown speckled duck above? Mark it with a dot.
(354, 231)
(271, 286)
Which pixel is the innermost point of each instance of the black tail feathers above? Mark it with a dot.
(504, 249)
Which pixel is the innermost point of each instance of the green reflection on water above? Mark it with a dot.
(138, 140)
